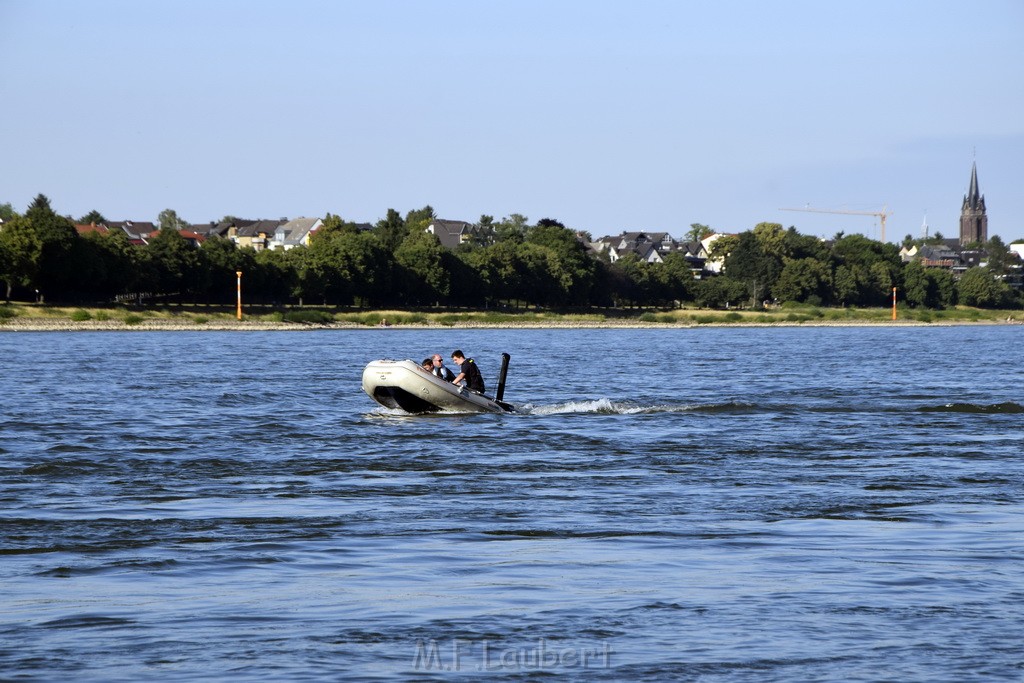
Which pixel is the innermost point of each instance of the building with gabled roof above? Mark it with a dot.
(294, 233)
(452, 233)
(138, 231)
(84, 229)
(254, 234)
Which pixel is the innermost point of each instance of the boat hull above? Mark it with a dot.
(405, 385)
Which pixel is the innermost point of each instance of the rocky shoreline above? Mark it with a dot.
(53, 325)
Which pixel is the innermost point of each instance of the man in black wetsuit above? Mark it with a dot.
(469, 372)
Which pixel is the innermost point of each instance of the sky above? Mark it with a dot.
(607, 116)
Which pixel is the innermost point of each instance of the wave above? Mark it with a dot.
(604, 406)
(1007, 407)
(89, 621)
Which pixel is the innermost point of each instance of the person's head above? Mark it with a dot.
(458, 357)
(438, 361)
(428, 364)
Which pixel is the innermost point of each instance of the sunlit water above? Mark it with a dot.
(714, 504)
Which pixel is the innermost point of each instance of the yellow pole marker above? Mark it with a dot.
(893, 303)
(239, 274)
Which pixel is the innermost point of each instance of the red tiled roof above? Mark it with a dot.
(91, 227)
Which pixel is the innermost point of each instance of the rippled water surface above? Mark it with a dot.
(714, 504)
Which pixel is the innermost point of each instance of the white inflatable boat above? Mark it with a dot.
(405, 384)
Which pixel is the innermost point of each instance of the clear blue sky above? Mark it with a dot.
(609, 116)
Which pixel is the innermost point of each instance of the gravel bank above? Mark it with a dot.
(52, 325)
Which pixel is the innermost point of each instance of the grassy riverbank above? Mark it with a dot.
(14, 317)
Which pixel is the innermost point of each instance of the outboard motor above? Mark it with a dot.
(500, 394)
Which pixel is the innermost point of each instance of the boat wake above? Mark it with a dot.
(604, 406)
(600, 406)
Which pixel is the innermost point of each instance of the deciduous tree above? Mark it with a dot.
(978, 287)
(423, 278)
(20, 252)
(805, 280)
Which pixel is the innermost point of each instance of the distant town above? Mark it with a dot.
(421, 260)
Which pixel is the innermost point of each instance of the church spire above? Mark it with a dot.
(974, 198)
(973, 221)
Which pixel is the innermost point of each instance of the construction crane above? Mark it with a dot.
(881, 215)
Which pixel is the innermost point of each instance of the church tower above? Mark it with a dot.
(973, 221)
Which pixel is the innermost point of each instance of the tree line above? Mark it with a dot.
(511, 263)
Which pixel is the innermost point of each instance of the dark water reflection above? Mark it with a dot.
(721, 504)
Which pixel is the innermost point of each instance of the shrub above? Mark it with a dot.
(648, 318)
(80, 314)
(102, 316)
(309, 317)
(133, 319)
(6, 313)
(201, 320)
(732, 317)
(447, 320)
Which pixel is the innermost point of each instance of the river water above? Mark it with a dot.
(721, 504)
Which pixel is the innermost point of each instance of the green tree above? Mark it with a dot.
(391, 230)
(722, 247)
(94, 217)
(224, 259)
(7, 213)
(697, 232)
(928, 287)
(468, 287)
(333, 224)
(512, 229)
(276, 277)
(418, 220)
(871, 270)
(169, 220)
(846, 285)
(568, 263)
(944, 286)
(348, 268)
(771, 237)
(56, 275)
(637, 281)
(543, 282)
(882, 279)
(748, 263)
(796, 246)
(20, 252)
(719, 292)
(179, 267)
(675, 277)
(978, 287)
(500, 271)
(423, 278)
(999, 256)
(110, 264)
(805, 280)
(486, 230)
(916, 285)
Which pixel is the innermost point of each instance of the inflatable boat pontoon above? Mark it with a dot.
(405, 384)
